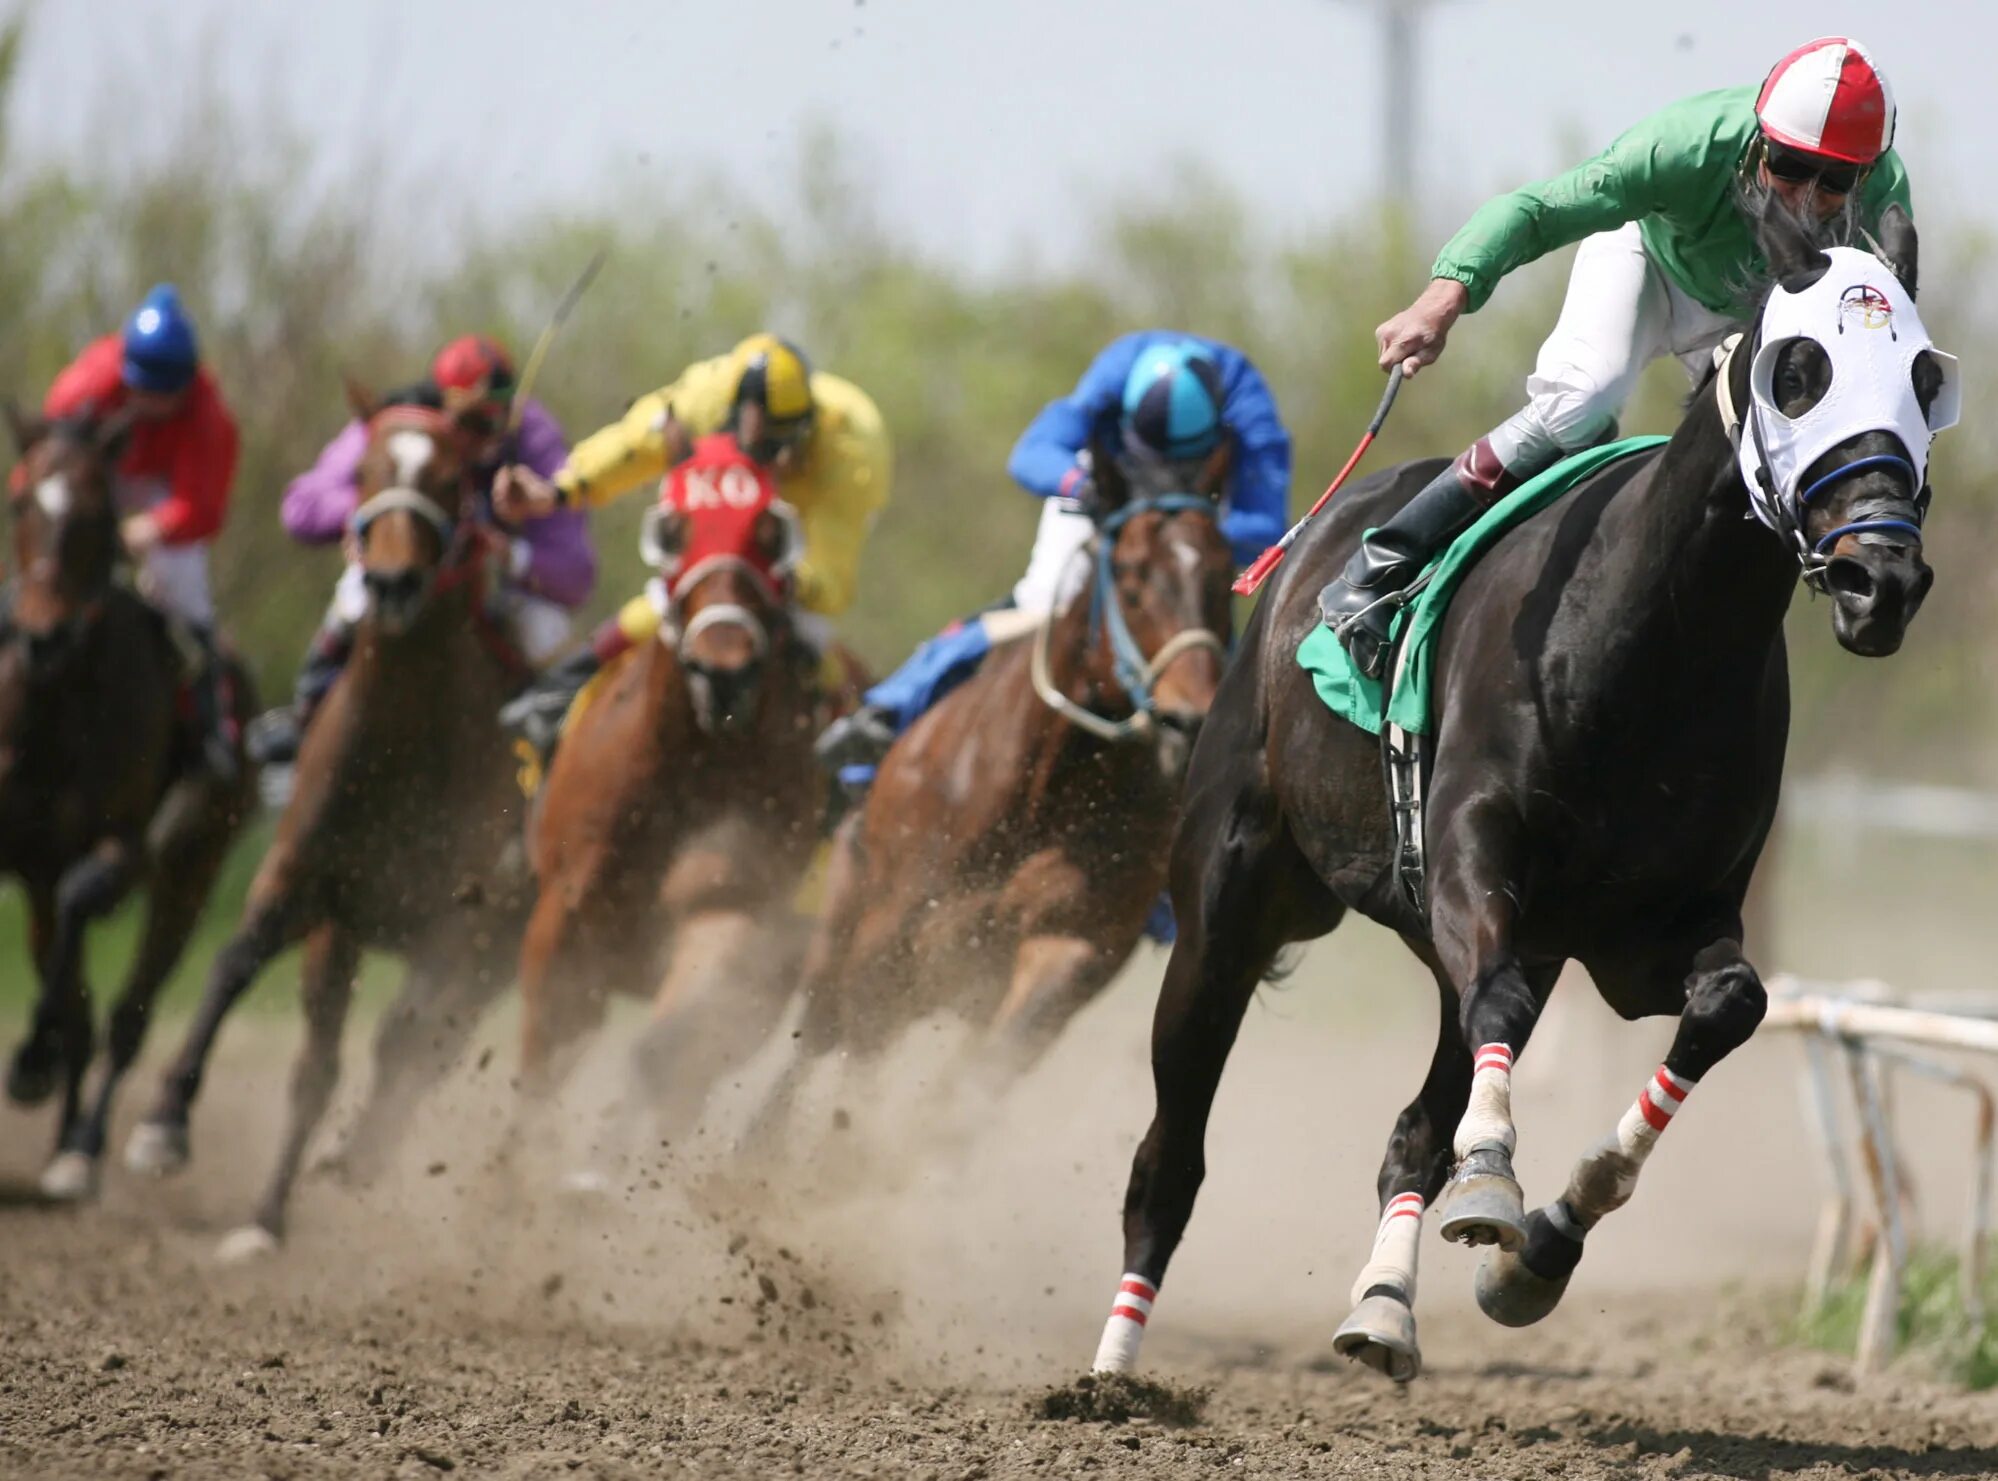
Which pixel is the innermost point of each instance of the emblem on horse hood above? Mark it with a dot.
(1865, 305)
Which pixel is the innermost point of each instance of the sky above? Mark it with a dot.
(984, 131)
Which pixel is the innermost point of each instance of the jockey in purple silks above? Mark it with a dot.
(551, 568)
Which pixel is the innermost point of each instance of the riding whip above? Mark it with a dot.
(1258, 573)
(560, 317)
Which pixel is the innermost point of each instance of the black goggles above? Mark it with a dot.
(1794, 167)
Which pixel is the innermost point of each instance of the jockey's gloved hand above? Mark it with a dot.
(1078, 486)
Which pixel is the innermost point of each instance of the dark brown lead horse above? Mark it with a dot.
(1015, 837)
(683, 807)
(397, 834)
(1612, 710)
(99, 792)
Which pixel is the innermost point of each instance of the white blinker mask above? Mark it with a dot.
(1868, 327)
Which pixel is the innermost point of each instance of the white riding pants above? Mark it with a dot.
(173, 578)
(1622, 312)
(1056, 570)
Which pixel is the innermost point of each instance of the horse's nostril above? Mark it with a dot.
(1850, 579)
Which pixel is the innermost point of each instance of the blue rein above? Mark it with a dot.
(1127, 661)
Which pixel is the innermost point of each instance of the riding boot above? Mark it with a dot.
(537, 712)
(1360, 605)
(274, 737)
(221, 756)
(905, 696)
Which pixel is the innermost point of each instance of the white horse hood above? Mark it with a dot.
(1868, 327)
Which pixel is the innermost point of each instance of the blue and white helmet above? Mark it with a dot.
(161, 353)
(1172, 401)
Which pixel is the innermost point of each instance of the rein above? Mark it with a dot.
(1135, 673)
(1792, 515)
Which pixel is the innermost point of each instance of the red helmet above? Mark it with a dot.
(473, 369)
(1828, 98)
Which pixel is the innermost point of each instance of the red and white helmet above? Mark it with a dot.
(1829, 98)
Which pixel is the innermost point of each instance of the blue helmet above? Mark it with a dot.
(160, 349)
(1172, 401)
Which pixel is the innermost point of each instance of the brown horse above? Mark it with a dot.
(1015, 837)
(396, 837)
(683, 806)
(100, 786)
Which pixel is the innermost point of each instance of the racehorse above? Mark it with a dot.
(683, 805)
(1611, 712)
(1014, 840)
(397, 835)
(101, 789)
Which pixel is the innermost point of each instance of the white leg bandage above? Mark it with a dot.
(1638, 1132)
(1488, 1118)
(1395, 1244)
(1132, 1308)
(1604, 1180)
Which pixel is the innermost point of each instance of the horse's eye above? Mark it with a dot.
(769, 536)
(1928, 378)
(672, 531)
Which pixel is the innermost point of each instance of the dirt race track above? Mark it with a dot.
(914, 1321)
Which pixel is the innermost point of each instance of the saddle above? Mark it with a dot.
(1400, 709)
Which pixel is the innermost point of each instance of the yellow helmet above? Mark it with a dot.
(772, 373)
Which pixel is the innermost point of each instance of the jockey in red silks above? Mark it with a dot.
(171, 483)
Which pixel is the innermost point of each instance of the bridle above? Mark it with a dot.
(1792, 515)
(1136, 674)
(461, 555)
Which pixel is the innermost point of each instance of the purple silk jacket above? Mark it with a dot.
(561, 565)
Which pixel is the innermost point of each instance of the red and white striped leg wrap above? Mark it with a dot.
(1395, 1245)
(1651, 1113)
(1118, 1351)
(1488, 1118)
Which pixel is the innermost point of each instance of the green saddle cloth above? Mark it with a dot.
(1353, 696)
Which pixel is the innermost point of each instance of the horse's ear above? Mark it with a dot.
(360, 400)
(1898, 246)
(24, 431)
(108, 436)
(1794, 259)
(1113, 489)
(1213, 473)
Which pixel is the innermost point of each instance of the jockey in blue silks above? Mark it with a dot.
(1160, 397)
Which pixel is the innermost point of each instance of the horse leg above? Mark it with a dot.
(419, 1039)
(1242, 891)
(829, 956)
(1054, 976)
(1724, 1003)
(87, 890)
(187, 846)
(717, 1004)
(326, 989)
(31, 1075)
(1471, 915)
(271, 922)
(1381, 1330)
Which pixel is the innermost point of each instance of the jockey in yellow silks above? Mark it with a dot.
(822, 436)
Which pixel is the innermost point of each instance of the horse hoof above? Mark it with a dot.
(156, 1148)
(1482, 1204)
(246, 1246)
(1511, 1294)
(70, 1177)
(30, 1082)
(1381, 1334)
